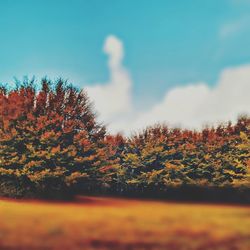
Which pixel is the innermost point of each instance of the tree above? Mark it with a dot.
(49, 137)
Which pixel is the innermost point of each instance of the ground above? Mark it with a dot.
(109, 223)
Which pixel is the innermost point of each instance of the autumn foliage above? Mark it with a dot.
(52, 146)
(49, 139)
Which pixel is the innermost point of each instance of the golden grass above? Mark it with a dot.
(106, 223)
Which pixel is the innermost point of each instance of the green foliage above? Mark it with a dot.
(49, 137)
(160, 158)
(51, 145)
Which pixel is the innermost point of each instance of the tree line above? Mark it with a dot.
(51, 145)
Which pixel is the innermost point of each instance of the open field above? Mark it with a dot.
(106, 223)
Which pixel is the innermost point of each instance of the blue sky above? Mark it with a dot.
(166, 43)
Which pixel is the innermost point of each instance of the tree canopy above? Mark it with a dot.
(52, 145)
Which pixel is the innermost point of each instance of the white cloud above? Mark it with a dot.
(197, 104)
(113, 98)
(235, 27)
(189, 106)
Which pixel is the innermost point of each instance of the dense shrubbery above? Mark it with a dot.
(52, 146)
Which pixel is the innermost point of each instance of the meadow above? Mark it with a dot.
(111, 223)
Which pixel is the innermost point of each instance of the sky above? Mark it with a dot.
(186, 63)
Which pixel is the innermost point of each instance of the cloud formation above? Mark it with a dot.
(197, 104)
(113, 99)
(190, 106)
(235, 27)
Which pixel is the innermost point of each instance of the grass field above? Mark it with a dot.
(106, 223)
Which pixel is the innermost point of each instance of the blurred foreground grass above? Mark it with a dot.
(107, 223)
